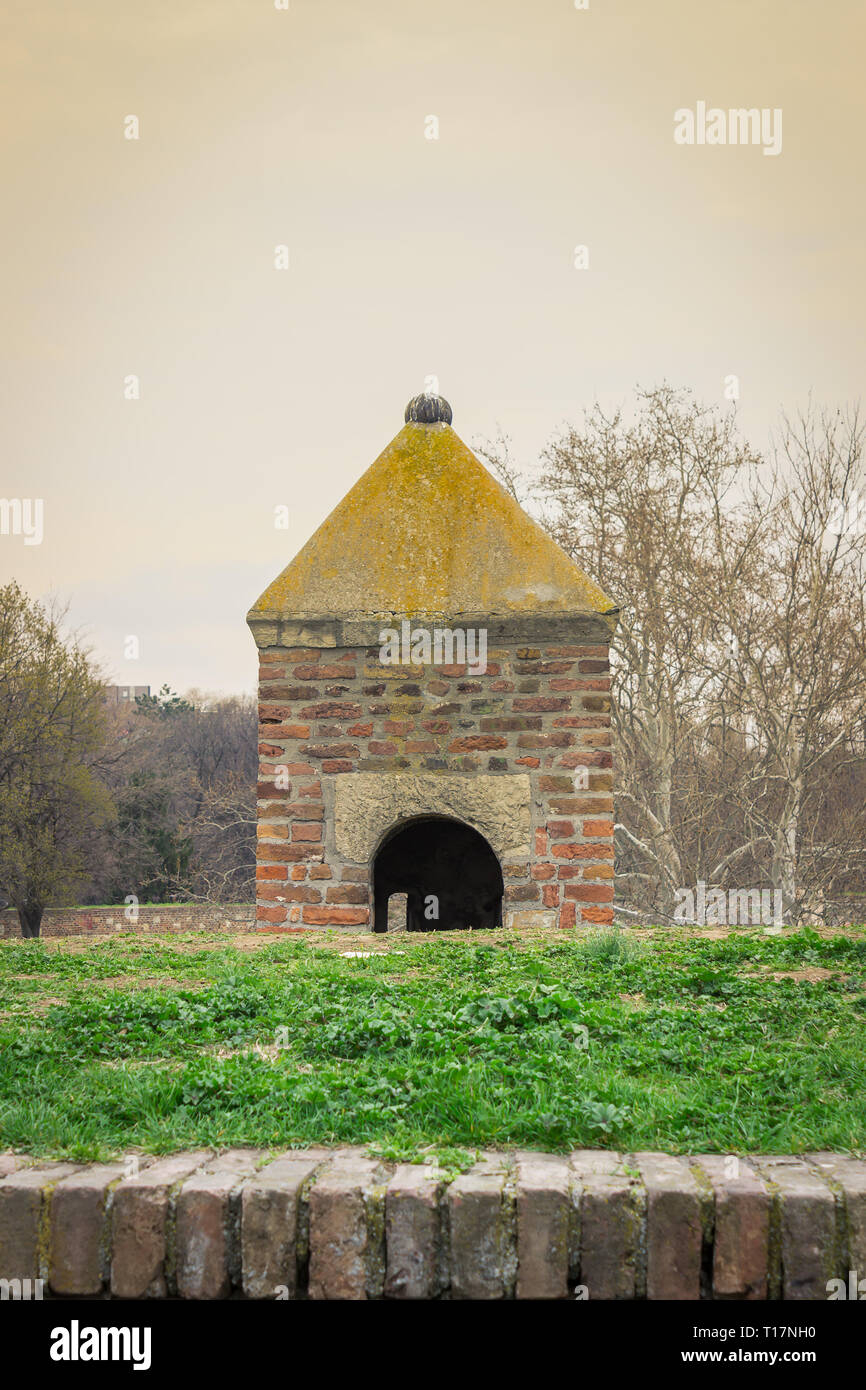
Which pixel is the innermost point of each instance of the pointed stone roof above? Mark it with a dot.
(425, 533)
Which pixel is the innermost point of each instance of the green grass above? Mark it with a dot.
(442, 1043)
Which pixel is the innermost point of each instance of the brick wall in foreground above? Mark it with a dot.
(340, 1225)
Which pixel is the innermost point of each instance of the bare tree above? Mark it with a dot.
(789, 603)
(629, 502)
(739, 664)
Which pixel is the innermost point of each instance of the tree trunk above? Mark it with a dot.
(30, 918)
(799, 902)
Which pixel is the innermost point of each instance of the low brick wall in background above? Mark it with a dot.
(163, 917)
(337, 1224)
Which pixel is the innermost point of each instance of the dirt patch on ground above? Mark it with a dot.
(213, 941)
(720, 933)
(137, 1063)
(134, 982)
(635, 1001)
(337, 941)
(376, 943)
(812, 974)
(269, 1052)
(29, 1005)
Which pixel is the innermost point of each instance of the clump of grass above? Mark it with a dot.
(608, 944)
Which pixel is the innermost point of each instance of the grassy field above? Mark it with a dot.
(661, 1039)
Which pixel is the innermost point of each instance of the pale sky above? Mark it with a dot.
(407, 256)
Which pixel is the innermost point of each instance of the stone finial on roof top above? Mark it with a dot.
(428, 409)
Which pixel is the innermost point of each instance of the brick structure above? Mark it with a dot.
(434, 708)
(151, 919)
(340, 1224)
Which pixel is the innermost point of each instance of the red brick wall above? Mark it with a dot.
(328, 712)
(152, 918)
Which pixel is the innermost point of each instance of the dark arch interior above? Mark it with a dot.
(448, 871)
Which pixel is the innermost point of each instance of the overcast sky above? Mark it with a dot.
(408, 256)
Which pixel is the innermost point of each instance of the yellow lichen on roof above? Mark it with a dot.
(427, 531)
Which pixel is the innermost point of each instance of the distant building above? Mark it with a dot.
(124, 694)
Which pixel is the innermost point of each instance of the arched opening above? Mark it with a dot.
(448, 872)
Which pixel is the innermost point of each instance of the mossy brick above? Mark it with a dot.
(477, 742)
(77, 1252)
(576, 651)
(142, 1214)
(347, 1229)
(545, 1216)
(847, 1176)
(273, 1230)
(483, 1251)
(24, 1199)
(541, 704)
(509, 723)
(206, 1214)
(330, 750)
(414, 1258)
(611, 1216)
(552, 740)
(809, 1243)
(674, 1229)
(740, 1224)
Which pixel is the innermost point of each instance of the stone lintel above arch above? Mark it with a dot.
(368, 805)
